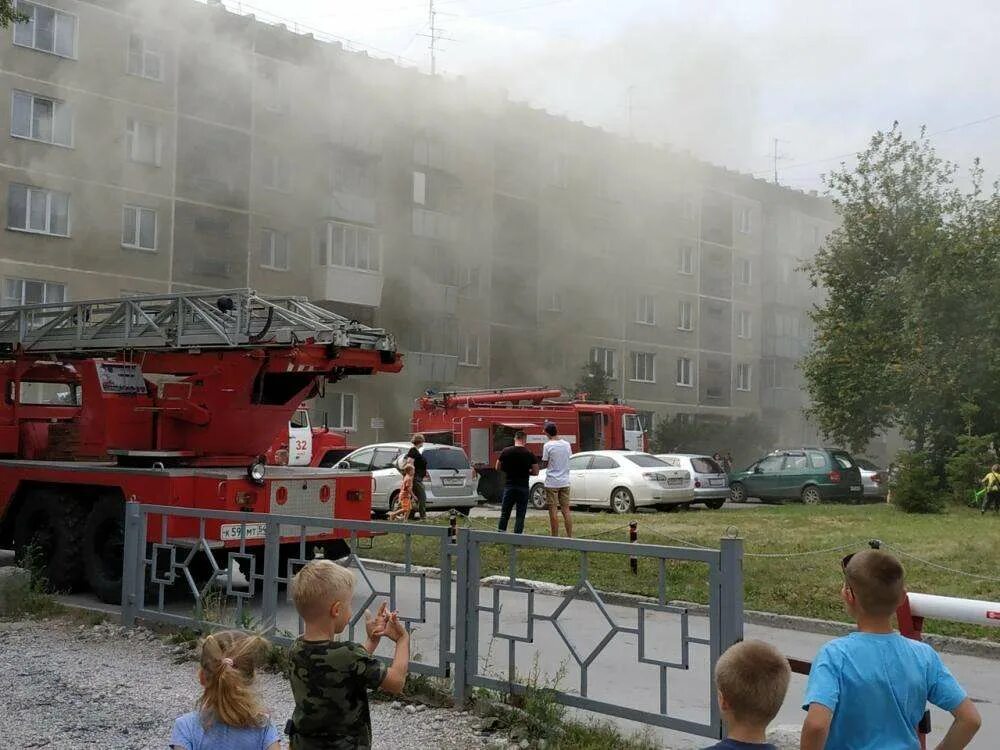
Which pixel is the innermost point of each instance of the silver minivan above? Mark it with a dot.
(450, 482)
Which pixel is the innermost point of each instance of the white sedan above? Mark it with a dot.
(620, 481)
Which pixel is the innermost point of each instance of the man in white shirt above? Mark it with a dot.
(555, 459)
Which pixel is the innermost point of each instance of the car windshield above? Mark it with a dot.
(705, 465)
(445, 458)
(644, 460)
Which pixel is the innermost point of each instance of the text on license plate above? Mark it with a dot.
(855, 488)
(452, 481)
(716, 482)
(674, 481)
(233, 532)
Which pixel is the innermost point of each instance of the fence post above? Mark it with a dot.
(731, 599)
(269, 595)
(633, 537)
(461, 540)
(132, 564)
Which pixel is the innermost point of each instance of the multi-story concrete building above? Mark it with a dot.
(162, 146)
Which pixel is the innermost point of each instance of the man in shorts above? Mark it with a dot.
(555, 461)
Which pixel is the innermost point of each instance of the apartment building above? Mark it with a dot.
(163, 146)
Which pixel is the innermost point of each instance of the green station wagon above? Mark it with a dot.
(809, 474)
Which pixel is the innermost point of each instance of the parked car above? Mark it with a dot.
(620, 481)
(708, 480)
(450, 483)
(874, 481)
(808, 474)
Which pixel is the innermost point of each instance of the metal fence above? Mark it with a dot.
(456, 616)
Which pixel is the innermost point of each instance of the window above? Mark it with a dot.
(468, 350)
(817, 459)
(274, 172)
(41, 119)
(31, 292)
(745, 224)
(644, 367)
(773, 375)
(349, 245)
(343, 411)
(420, 188)
(139, 227)
(142, 141)
(553, 302)
(645, 309)
(33, 209)
(46, 29)
(385, 458)
(685, 260)
(684, 372)
(684, 316)
(144, 58)
(362, 460)
(269, 89)
(742, 377)
(743, 269)
(687, 207)
(604, 462)
(744, 324)
(468, 282)
(646, 421)
(274, 249)
(605, 358)
(577, 463)
(815, 234)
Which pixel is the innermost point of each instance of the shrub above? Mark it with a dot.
(917, 488)
(966, 467)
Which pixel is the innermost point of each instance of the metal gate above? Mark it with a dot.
(456, 615)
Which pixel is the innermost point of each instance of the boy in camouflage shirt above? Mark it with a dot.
(331, 679)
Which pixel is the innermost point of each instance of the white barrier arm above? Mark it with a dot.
(971, 611)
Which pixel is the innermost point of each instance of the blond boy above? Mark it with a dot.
(331, 679)
(868, 690)
(752, 679)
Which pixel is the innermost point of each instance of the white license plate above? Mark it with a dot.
(233, 532)
(453, 481)
(716, 482)
(674, 482)
(856, 488)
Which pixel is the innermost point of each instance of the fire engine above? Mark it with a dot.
(483, 422)
(168, 400)
(303, 444)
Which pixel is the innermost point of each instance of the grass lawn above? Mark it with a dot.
(806, 585)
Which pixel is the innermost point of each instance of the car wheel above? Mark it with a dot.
(622, 501)
(393, 502)
(737, 492)
(715, 504)
(811, 496)
(538, 497)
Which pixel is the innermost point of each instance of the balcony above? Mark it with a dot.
(351, 207)
(434, 297)
(350, 286)
(432, 368)
(434, 225)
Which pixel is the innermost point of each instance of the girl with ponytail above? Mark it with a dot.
(230, 715)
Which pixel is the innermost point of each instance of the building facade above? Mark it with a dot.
(168, 146)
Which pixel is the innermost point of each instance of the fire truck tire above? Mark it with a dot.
(54, 523)
(104, 548)
(622, 500)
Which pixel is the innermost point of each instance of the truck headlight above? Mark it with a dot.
(255, 472)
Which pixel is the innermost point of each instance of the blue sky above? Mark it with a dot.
(719, 77)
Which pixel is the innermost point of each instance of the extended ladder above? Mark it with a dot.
(234, 318)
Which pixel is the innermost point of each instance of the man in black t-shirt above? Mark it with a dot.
(419, 474)
(517, 463)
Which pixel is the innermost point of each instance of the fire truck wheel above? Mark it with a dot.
(49, 526)
(104, 549)
(622, 500)
(538, 497)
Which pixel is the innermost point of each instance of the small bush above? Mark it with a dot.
(968, 464)
(917, 488)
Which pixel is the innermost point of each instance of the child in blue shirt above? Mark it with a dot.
(229, 715)
(751, 679)
(869, 690)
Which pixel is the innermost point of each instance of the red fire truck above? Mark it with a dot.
(168, 400)
(303, 444)
(483, 423)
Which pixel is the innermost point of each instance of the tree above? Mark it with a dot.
(594, 382)
(906, 333)
(9, 14)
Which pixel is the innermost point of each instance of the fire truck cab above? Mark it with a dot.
(484, 423)
(303, 444)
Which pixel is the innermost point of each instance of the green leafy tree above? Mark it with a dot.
(905, 336)
(917, 488)
(968, 465)
(9, 14)
(594, 382)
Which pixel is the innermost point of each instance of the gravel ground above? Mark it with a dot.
(65, 686)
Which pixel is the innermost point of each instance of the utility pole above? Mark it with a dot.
(628, 108)
(432, 17)
(776, 157)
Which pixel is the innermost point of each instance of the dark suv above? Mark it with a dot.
(809, 474)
